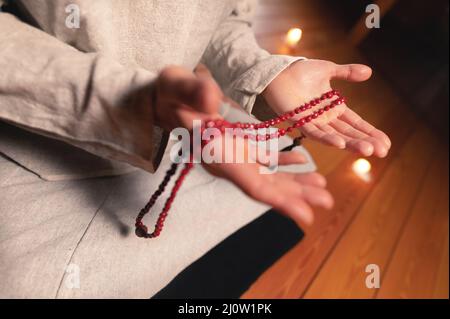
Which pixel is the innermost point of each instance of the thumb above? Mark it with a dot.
(208, 96)
(352, 72)
(200, 93)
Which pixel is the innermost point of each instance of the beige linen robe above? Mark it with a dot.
(78, 141)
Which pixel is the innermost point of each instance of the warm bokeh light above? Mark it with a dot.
(293, 36)
(362, 167)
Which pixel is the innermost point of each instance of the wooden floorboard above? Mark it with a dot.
(419, 266)
(374, 232)
(398, 221)
(292, 274)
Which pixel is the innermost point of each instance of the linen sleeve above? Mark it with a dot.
(236, 61)
(85, 99)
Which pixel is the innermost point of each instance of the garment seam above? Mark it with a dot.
(79, 242)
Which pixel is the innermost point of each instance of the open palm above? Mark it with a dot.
(340, 127)
(293, 194)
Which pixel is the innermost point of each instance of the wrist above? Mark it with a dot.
(278, 91)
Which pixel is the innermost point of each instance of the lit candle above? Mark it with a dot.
(361, 167)
(293, 37)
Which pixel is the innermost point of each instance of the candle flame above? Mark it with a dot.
(293, 36)
(361, 167)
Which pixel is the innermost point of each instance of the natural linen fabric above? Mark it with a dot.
(52, 231)
(91, 88)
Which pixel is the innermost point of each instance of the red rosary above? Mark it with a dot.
(141, 229)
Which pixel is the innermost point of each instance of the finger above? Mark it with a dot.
(278, 192)
(352, 72)
(358, 123)
(293, 188)
(179, 84)
(202, 71)
(313, 179)
(291, 157)
(174, 81)
(301, 212)
(294, 204)
(352, 118)
(304, 196)
(185, 116)
(312, 131)
(270, 158)
(207, 97)
(345, 129)
(327, 129)
(360, 147)
(351, 144)
(202, 95)
(355, 140)
(317, 196)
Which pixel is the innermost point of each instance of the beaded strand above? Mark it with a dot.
(142, 230)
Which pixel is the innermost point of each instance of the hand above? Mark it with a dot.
(292, 194)
(182, 97)
(340, 127)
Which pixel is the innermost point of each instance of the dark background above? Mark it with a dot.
(411, 50)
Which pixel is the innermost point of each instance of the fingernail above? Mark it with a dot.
(383, 152)
(322, 181)
(308, 218)
(368, 150)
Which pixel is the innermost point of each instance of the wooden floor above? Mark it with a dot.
(398, 220)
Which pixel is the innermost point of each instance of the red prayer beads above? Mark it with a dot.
(142, 230)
